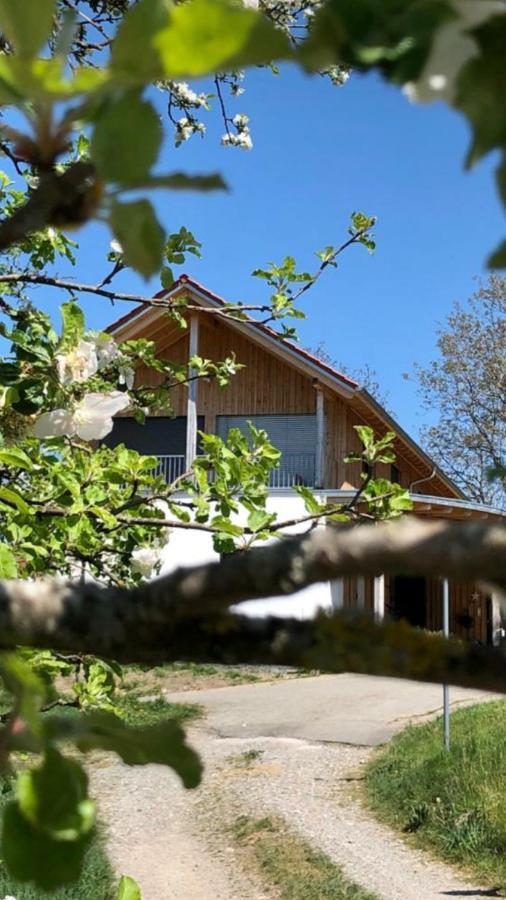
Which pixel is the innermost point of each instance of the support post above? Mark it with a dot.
(379, 597)
(498, 600)
(446, 689)
(320, 437)
(191, 401)
(337, 593)
(360, 592)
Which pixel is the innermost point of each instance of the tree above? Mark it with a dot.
(466, 388)
(82, 136)
(364, 375)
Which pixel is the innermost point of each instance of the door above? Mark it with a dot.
(408, 600)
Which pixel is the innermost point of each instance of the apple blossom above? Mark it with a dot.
(90, 419)
(78, 364)
(144, 560)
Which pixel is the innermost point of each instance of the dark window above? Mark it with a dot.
(395, 475)
(159, 436)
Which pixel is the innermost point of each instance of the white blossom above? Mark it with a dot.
(453, 47)
(106, 349)
(91, 418)
(240, 120)
(116, 247)
(250, 4)
(126, 376)
(78, 364)
(145, 559)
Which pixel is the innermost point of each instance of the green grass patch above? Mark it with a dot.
(97, 880)
(150, 712)
(286, 860)
(453, 803)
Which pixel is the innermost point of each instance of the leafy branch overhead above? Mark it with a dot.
(437, 49)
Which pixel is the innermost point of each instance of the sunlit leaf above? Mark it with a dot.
(214, 35)
(141, 236)
(126, 140)
(27, 23)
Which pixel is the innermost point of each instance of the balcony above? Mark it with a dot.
(295, 469)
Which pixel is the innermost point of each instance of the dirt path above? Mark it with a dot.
(175, 844)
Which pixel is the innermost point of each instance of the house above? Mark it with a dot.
(309, 410)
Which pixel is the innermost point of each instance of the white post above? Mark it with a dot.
(360, 592)
(498, 601)
(337, 593)
(379, 597)
(191, 402)
(446, 689)
(320, 438)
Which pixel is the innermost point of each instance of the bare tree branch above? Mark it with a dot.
(133, 624)
(60, 199)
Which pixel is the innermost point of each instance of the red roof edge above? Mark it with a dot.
(191, 282)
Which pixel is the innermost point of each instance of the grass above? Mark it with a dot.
(139, 712)
(453, 803)
(97, 880)
(287, 861)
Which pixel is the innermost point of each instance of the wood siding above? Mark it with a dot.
(268, 385)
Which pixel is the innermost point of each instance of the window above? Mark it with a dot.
(395, 474)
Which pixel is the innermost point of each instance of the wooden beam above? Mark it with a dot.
(320, 437)
(191, 402)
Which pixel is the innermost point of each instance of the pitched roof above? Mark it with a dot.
(361, 400)
(192, 283)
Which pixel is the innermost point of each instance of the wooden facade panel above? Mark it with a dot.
(266, 386)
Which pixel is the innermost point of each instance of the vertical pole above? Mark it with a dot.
(191, 402)
(379, 597)
(320, 438)
(337, 593)
(360, 592)
(446, 689)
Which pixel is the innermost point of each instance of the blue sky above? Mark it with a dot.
(320, 153)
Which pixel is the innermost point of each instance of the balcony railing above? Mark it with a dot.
(294, 469)
(171, 467)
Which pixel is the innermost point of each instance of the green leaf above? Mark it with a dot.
(109, 520)
(259, 519)
(498, 258)
(27, 23)
(27, 688)
(481, 89)
(12, 498)
(126, 140)
(31, 855)
(8, 564)
(207, 36)
(15, 458)
(163, 744)
(54, 798)
(73, 325)
(128, 889)
(140, 235)
(133, 54)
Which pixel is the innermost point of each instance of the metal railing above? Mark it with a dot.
(171, 467)
(294, 469)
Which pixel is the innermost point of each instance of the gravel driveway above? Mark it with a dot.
(172, 841)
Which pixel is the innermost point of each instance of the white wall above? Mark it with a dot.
(188, 548)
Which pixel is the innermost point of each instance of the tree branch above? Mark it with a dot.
(62, 200)
(134, 624)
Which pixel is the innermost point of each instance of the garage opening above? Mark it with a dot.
(408, 600)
